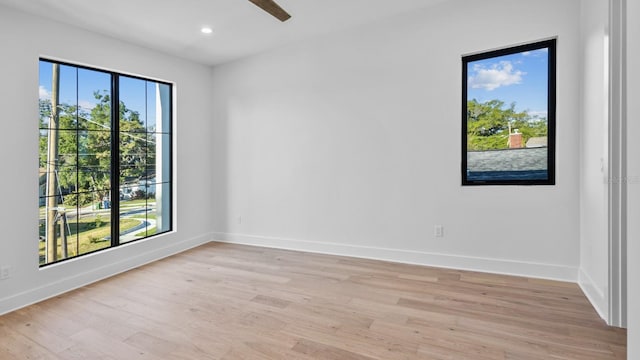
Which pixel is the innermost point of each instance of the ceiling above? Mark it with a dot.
(239, 28)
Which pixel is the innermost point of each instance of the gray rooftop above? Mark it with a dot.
(537, 142)
(508, 159)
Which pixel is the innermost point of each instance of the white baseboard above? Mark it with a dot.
(596, 295)
(66, 284)
(488, 265)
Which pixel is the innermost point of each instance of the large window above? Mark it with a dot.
(508, 116)
(105, 160)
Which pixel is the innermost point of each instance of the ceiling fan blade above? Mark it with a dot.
(272, 8)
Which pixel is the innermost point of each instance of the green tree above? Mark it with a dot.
(488, 124)
(133, 145)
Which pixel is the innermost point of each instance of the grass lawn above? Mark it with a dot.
(88, 235)
(149, 215)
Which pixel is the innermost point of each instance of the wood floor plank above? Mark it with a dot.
(323, 351)
(223, 301)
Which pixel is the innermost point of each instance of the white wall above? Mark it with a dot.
(350, 143)
(633, 170)
(594, 245)
(23, 39)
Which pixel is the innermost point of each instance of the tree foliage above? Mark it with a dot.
(488, 125)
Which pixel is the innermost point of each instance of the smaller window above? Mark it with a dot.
(508, 116)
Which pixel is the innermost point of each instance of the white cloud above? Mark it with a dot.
(499, 74)
(43, 93)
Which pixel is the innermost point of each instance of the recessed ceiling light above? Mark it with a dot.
(206, 30)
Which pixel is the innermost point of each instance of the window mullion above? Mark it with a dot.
(115, 160)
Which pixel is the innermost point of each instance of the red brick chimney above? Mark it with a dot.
(515, 140)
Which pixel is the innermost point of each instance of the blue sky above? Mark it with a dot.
(520, 78)
(77, 86)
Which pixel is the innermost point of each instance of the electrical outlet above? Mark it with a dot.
(5, 272)
(438, 231)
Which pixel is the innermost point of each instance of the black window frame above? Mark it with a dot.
(115, 159)
(551, 45)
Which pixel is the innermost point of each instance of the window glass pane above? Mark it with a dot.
(158, 107)
(94, 99)
(94, 222)
(68, 224)
(66, 234)
(152, 102)
(67, 96)
(160, 206)
(44, 93)
(162, 112)
(158, 158)
(69, 88)
(94, 159)
(63, 234)
(42, 227)
(133, 157)
(43, 148)
(132, 104)
(133, 212)
(66, 171)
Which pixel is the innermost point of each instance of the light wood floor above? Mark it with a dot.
(223, 301)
